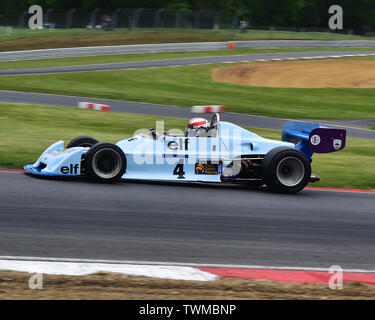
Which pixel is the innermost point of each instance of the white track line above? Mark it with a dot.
(343, 126)
(180, 264)
(84, 268)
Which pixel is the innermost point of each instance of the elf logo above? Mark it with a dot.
(182, 144)
(71, 169)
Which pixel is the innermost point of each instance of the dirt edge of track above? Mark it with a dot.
(15, 285)
(328, 73)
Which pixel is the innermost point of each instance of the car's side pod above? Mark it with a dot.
(311, 137)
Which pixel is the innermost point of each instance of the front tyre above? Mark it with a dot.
(105, 162)
(286, 170)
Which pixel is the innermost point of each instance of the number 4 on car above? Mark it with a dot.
(208, 151)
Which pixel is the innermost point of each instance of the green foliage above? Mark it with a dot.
(285, 13)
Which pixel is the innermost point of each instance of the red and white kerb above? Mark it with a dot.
(207, 109)
(93, 106)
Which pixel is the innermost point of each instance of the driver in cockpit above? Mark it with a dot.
(197, 127)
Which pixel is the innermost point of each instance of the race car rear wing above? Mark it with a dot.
(310, 137)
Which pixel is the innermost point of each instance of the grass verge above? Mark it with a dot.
(25, 39)
(27, 130)
(14, 286)
(59, 62)
(192, 85)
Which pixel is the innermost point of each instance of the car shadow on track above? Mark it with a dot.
(181, 184)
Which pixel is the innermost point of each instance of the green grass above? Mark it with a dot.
(192, 85)
(42, 63)
(357, 283)
(27, 130)
(142, 35)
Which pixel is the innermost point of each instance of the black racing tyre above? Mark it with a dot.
(105, 162)
(286, 170)
(82, 141)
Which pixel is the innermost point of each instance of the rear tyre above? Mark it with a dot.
(82, 141)
(105, 162)
(286, 170)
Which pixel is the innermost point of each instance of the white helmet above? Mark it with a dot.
(195, 124)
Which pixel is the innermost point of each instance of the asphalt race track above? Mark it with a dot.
(185, 223)
(176, 62)
(200, 223)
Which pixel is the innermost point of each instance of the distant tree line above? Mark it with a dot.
(358, 14)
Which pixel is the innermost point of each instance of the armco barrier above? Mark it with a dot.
(177, 47)
(110, 50)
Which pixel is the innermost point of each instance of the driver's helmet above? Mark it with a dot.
(195, 125)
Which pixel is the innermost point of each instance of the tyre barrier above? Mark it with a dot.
(207, 109)
(93, 106)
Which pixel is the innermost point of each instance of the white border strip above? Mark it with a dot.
(310, 58)
(84, 268)
(170, 264)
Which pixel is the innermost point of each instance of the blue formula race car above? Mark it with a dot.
(208, 151)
